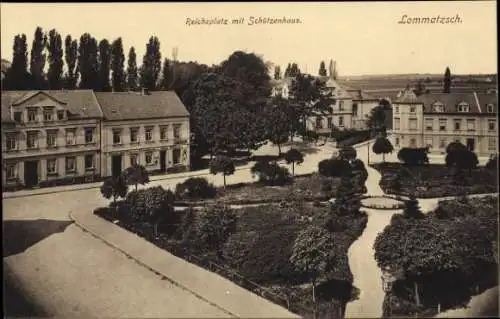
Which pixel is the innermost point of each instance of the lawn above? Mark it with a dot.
(256, 256)
(436, 180)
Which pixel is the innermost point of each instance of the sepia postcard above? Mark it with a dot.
(251, 160)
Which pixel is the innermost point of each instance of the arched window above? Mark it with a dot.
(490, 108)
(463, 107)
(438, 107)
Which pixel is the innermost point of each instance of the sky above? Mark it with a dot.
(364, 38)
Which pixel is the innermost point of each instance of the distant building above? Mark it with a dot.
(76, 136)
(435, 120)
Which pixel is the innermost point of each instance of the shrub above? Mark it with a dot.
(492, 163)
(413, 156)
(333, 167)
(271, 173)
(348, 153)
(195, 188)
(294, 156)
(114, 187)
(459, 156)
(382, 146)
(101, 211)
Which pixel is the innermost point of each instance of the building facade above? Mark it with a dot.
(54, 136)
(436, 120)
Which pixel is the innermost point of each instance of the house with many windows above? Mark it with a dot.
(435, 120)
(79, 136)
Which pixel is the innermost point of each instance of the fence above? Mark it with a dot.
(247, 284)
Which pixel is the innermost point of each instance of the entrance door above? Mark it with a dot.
(163, 161)
(116, 165)
(471, 144)
(31, 173)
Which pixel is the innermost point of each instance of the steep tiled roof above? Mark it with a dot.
(7, 98)
(477, 102)
(133, 105)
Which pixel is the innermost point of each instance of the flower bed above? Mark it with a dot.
(435, 180)
(382, 202)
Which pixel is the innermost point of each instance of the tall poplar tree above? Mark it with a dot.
(322, 69)
(17, 77)
(277, 72)
(88, 63)
(56, 63)
(104, 64)
(447, 80)
(151, 64)
(117, 66)
(132, 69)
(38, 58)
(70, 56)
(166, 78)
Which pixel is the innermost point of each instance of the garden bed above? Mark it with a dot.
(435, 180)
(256, 256)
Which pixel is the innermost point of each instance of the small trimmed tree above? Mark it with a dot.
(312, 253)
(294, 156)
(348, 153)
(135, 175)
(333, 167)
(270, 173)
(216, 224)
(159, 204)
(114, 187)
(412, 210)
(382, 146)
(222, 164)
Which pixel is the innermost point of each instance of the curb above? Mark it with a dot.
(156, 272)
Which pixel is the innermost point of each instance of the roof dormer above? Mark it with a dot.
(463, 107)
(438, 107)
(490, 108)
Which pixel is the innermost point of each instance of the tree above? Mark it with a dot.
(117, 66)
(17, 76)
(114, 187)
(447, 80)
(104, 65)
(270, 173)
(288, 70)
(419, 88)
(151, 64)
(294, 156)
(457, 155)
(132, 70)
(312, 253)
(216, 224)
(348, 195)
(222, 164)
(277, 125)
(159, 204)
(54, 75)
(382, 146)
(135, 175)
(492, 163)
(376, 118)
(38, 58)
(333, 167)
(70, 56)
(277, 72)
(166, 75)
(412, 210)
(88, 63)
(348, 153)
(322, 69)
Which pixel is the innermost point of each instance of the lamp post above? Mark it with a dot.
(387, 281)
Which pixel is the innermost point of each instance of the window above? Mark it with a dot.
(89, 135)
(396, 141)
(133, 160)
(32, 113)
(51, 166)
(341, 121)
(442, 143)
(412, 109)
(176, 155)
(177, 131)
(51, 138)
(429, 142)
(70, 136)
(149, 133)
(396, 124)
(442, 124)
(463, 107)
(89, 161)
(429, 124)
(490, 109)
(341, 106)
(117, 139)
(438, 107)
(355, 109)
(471, 125)
(396, 109)
(149, 158)
(18, 117)
(413, 124)
(11, 171)
(70, 164)
(134, 132)
(11, 142)
(492, 144)
(491, 125)
(163, 133)
(60, 115)
(329, 122)
(48, 115)
(457, 124)
(32, 140)
(319, 123)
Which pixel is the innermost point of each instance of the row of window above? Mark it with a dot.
(439, 108)
(134, 158)
(51, 138)
(149, 130)
(443, 143)
(52, 165)
(457, 124)
(319, 122)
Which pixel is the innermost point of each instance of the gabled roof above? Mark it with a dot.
(134, 105)
(477, 102)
